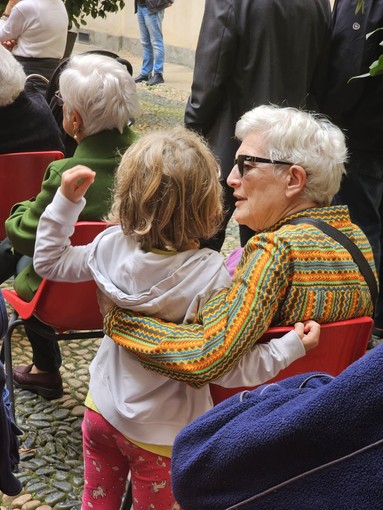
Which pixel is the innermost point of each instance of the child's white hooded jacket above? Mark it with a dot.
(144, 405)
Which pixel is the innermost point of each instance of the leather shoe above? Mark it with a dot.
(156, 80)
(140, 78)
(48, 385)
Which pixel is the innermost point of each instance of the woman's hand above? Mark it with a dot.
(76, 181)
(308, 333)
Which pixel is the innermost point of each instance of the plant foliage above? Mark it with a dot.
(376, 67)
(79, 9)
(359, 6)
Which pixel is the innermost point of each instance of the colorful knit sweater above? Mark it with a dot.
(288, 273)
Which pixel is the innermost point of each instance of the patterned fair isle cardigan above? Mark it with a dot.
(288, 273)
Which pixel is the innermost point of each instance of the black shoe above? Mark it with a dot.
(156, 80)
(140, 78)
(48, 385)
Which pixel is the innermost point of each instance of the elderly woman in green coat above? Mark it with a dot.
(99, 100)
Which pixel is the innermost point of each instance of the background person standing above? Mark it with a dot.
(249, 53)
(356, 106)
(150, 14)
(40, 29)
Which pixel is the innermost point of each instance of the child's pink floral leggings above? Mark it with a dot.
(108, 458)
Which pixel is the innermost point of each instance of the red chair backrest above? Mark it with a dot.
(21, 175)
(71, 306)
(65, 306)
(341, 343)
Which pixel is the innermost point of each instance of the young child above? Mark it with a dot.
(167, 196)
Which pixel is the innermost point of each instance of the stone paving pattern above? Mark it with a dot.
(51, 467)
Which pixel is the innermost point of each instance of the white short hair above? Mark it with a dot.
(101, 90)
(306, 139)
(12, 77)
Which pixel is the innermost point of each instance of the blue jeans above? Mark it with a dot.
(152, 41)
(362, 191)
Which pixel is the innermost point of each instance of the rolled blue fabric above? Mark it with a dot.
(316, 441)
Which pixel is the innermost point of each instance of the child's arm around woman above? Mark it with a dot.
(266, 360)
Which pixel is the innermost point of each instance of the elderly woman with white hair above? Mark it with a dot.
(286, 172)
(99, 100)
(27, 123)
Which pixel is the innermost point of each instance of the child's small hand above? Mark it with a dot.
(76, 181)
(309, 333)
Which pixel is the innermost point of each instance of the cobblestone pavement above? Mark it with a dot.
(51, 453)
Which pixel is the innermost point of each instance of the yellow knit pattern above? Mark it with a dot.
(287, 274)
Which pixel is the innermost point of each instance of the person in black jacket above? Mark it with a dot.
(357, 107)
(254, 52)
(150, 14)
(27, 123)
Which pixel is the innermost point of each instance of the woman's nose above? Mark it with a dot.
(234, 177)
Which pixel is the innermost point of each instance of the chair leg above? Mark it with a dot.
(6, 355)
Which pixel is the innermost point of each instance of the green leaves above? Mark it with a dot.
(359, 6)
(79, 9)
(376, 67)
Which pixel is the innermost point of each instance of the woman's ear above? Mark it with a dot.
(296, 180)
(77, 125)
(77, 120)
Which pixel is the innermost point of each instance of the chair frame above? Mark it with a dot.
(39, 313)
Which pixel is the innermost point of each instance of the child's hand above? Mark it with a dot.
(10, 44)
(76, 181)
(309, 333)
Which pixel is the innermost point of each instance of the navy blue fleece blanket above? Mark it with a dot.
(308, 442)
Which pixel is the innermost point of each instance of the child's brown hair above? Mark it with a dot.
(167, 192)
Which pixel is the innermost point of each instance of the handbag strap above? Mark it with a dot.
(350, 246)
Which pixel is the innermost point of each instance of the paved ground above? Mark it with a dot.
(176, 76)
(51, 459)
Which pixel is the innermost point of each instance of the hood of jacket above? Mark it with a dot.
(155, 283)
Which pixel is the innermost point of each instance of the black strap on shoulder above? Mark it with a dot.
(350, 246)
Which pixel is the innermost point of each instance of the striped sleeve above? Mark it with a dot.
(227, 326)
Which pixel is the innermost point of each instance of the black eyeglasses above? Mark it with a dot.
(58, 96)
(242, 158)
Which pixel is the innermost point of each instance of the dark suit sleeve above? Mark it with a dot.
(214, 63)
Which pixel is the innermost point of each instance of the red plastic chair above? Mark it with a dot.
(70, 309)
(21, 175)
(341, 343)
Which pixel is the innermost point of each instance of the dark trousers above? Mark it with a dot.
(362, 191)
(42, 66)
(245, 233)
(46, 350)
(8, 260)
